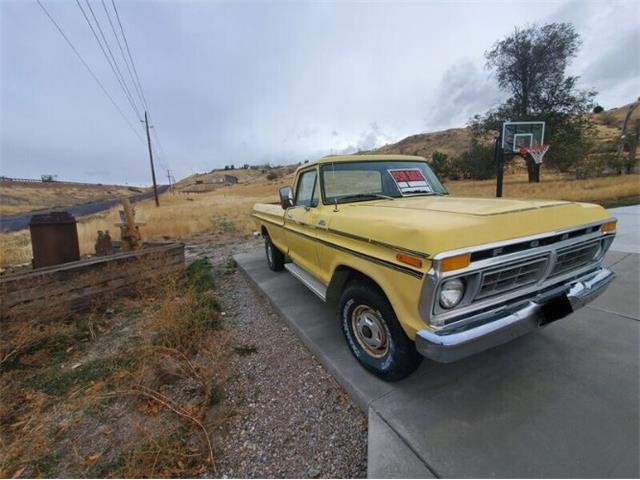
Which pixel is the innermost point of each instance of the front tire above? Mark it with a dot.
(275, 258)
(374, 334)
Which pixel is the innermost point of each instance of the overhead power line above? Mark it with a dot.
(137, 83)
(133, 65)
(108, 56)
(124, 57)
(113, 58)
(86, 65)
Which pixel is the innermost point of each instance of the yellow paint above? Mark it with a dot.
(314, 237)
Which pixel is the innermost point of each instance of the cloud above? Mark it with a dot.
(620, 63)
(464, 91)
(249, 82)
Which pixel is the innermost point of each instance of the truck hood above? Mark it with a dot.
(436, 224)
(468, 206)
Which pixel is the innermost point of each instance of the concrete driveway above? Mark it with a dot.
(562, 402)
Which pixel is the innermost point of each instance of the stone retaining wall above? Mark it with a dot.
(73, 287)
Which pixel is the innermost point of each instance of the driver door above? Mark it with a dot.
(300, 220)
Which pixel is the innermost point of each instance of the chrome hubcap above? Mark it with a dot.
(370, 330)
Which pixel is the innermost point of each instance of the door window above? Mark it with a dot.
(306, 193)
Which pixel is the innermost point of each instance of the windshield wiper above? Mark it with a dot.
(361, 196)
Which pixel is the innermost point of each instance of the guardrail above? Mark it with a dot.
(61, 182)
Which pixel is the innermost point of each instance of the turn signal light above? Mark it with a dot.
(609, 227)
(455, 263)
(409, 260)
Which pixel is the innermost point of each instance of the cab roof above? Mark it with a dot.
(361, 158)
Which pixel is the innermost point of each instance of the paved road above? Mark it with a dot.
(561, 402)
(11, 223)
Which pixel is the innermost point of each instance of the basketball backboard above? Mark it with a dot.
(516, 135)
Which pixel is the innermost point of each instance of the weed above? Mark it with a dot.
(198, 276)
(244, 350)
(25, 344)
(226, 226)
(46, 466)
(57, 382)
(215, 395)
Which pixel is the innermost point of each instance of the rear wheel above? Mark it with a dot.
(374, 334)
(275, 258)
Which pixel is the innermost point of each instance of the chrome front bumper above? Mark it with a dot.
(504, 324)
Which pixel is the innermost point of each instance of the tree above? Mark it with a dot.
(530, 66)
(477, 163)
(440, 164)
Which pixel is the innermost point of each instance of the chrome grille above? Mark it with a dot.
(574, 257)
(509, 277)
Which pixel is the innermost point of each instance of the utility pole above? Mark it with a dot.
(169, 179)
(153, 172)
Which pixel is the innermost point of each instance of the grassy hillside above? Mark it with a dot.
(456, 140)
(19, 197)
(452, 142)
(210, 181)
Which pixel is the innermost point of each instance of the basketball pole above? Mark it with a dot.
(498, 156)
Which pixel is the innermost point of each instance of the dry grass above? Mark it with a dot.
(553, 187)
(18, 197)
(135, 395)
(225, 213)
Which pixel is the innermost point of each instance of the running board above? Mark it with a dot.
(311, 282)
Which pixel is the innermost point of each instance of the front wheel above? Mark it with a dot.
(374, 334)
(275, 258)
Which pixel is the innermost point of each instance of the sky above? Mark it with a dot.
(264, 81)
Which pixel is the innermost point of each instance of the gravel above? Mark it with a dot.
(291, 419)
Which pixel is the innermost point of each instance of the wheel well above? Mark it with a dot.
(341, 277)
(264, 231)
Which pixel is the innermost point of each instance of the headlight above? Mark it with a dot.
(451, 292)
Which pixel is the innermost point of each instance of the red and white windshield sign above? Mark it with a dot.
(410, 180)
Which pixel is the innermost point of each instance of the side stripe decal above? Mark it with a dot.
(379, 261)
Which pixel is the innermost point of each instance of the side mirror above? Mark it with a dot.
(286, 197)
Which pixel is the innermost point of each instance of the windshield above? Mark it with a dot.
(361, 181)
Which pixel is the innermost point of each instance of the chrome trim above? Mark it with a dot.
(534, 269)
(454, 318)
(507, 322)
(583, 247)
(308, 280)
(502, 243)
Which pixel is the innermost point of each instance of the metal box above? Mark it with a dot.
(54, 239)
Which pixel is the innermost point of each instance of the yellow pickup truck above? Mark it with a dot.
(415, 272)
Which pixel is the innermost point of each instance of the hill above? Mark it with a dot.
(452, 142)
(22, 197)
(207, 182)
(456, 140)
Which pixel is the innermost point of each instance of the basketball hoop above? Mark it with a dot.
(536, 151)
